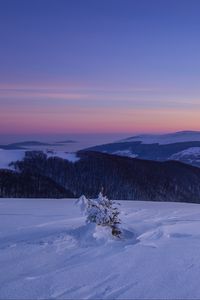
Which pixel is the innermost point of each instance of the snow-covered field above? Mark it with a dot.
(47, 252)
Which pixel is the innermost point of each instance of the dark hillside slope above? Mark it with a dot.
(26, 185)
(153, 151)
(121, 177)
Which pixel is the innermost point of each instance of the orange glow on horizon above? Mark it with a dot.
(87, 120)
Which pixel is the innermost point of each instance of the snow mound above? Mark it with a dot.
(104, 234)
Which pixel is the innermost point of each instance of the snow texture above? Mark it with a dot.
(47, 252)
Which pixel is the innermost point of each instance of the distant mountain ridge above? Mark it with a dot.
(23, 145)
(157, 147)
(168, 138)
(27, 144)
(66, 142)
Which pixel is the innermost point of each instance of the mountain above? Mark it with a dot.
(23, 145)
(158, 147)
(169, 138)
(121, 177)
(66, 142)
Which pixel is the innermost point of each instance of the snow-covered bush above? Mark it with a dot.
(102, 211)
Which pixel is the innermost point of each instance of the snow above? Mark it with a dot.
(47, 251)
(126, 153)
(8, 156)
(70, 156)
(162, 139)
(194, 151)
(190, 156)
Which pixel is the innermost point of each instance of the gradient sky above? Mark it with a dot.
(99, 66)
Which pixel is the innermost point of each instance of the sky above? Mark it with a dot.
(115, 67)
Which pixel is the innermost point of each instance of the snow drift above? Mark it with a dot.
(47, 251)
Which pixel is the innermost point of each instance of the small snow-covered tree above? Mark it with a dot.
(101, 211)
(83, 203)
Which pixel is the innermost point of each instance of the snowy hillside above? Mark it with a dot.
(46, 251)
(161, 147)
(190, 156)
(163, 139)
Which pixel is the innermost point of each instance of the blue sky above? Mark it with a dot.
(99, 66)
